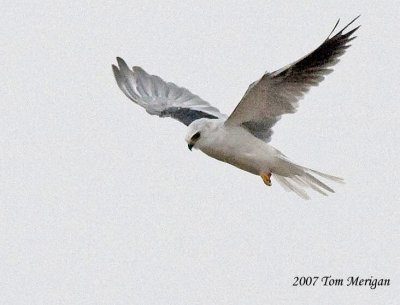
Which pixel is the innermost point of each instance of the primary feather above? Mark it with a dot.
(161, 98)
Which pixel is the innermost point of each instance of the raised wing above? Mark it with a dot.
(161, 98)
(278, 93)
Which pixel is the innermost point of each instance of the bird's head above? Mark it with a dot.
(199, 131)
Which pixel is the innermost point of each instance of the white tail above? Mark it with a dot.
(296, 178)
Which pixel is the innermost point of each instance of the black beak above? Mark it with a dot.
(190, 146)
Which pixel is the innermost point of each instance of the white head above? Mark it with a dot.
(200, 131)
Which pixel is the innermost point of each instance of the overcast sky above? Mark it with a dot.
(104, 204)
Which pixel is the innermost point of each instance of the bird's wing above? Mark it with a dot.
(161, 98)
(278, 93)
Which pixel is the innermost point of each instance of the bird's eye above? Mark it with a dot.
(196, 136)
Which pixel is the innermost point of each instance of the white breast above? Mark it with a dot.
(238, 147)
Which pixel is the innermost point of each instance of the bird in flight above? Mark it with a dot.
(242, 138)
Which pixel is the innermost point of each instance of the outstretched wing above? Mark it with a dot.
(278, 93)
(161, 98)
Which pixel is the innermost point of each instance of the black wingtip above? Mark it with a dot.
(122, 64)
(350, 23)
(342, 30)
(115, 69)
(334, 28)
(349, 33)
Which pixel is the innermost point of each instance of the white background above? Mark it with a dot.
(104, 204)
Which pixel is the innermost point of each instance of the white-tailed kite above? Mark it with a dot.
(242, 138)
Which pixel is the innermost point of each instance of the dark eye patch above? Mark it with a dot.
(196, 136)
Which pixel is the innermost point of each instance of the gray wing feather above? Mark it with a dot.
(160, 98)
(278, 93)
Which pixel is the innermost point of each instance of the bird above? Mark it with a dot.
(242, 138)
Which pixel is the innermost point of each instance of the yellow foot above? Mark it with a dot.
(266, 177)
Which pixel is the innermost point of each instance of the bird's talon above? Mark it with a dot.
(266, 177)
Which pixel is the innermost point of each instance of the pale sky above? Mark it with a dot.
(104, 204)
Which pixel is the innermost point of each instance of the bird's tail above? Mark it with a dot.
(297, 178)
